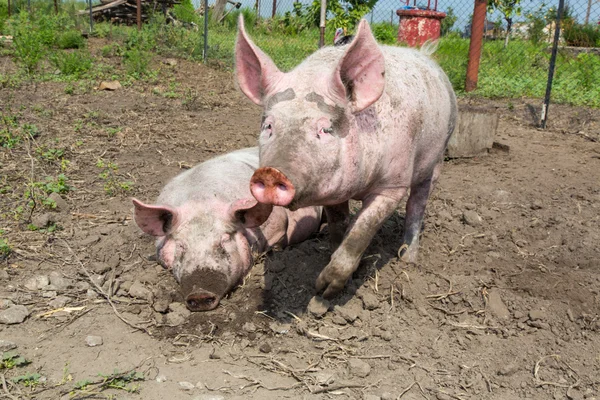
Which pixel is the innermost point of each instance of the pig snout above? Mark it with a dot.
(271, 186)
(202, 300)
(204, 288)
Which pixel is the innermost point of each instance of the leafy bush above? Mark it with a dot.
(185, 12)
(582, 35)
(448, 22)
(28, 43)
(137, 61)
(385, 32)
(70, 40)
(72, 62)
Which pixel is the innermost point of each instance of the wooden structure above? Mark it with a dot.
(125, 11)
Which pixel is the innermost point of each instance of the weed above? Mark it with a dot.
(29, 379)
(112, 50)
(11, 360)
(70, 88)
(113, 131)
(72, 62)
(70, 40)
(28, 44)
(52, 154)
(122, 382)
(136, 62)
(109, 174)
(5, 251)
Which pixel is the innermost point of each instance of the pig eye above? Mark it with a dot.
(268, 128)
(324, 131)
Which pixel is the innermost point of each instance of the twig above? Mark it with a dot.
(410, 387)
(105, 295)
(6, 392)
(259, 383)
(337, 387)
(540, 382)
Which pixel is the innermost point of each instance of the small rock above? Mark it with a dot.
(4, 275)
(537, 315)
(339, 320)
(539, 324)
(49, 294)
(109, 85)
(387, 336)
(126, 285)
(174, 319)
(249, 327)
(59, 302)
(570, 315)
(150, 276)
(186, 386)
(497, 306)
(161, 305)
(170, 61)
(139, 291)
(359, 368)
(470, 206)
(347, 312)
(442, 396)
(100, 267)
(537, 205)
(161, 378)
(371, 397)
(265, 348)
(93, 341)
(37, 282)
(179, 308)
(61, 204)
(370, 301)
(280, 328)
(471, 218)
(508, 369)
(518, 315)
(43, 220)
(318, 306)
(5, 303)
(82, 286)
(59, 282)
(6, 345)
(14, 315)
(91, 294)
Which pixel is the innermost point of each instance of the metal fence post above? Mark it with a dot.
(91, 18)
(561, 4)
(322, 23)
(205, 51)
(475, 44)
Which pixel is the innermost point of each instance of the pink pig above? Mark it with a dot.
(363, 122)
(207, 225)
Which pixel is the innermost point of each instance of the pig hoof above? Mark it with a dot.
(331, 285)
(407, 254)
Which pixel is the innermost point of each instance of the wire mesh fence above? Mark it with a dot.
(515, 52)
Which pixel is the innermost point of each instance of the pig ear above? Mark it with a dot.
(250, 212)
(155, 220)
(360, 74)
(256, 73)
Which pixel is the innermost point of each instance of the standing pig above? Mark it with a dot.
(207, 224)
(362, 121)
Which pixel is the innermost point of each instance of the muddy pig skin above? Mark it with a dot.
(207, 224)
(361, 121)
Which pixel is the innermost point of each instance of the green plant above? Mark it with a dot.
(71, 39)
(582, 35)
(137, 61)
(11, 360)
(28, 43)
(72, 62)
(5, 251)
(385, 32)
(112, 50)
(50, 154)
(185, 12)
(113, 131)
(448, 22)
(29, 379)
(109, 174)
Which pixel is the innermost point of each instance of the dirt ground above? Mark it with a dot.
(503, 304)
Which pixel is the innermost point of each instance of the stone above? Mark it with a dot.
(4, 275)
(471, 218)
(536, 205)
(186, 386)
(93, 341)
(174, 319)
(537, 315)
(280, 328)
(265, 348)
(161, 305)
(5, 303)
(109, 85)
(496, 305)
(209, 397)
(318, 306)
(348, 312)
(6, 345)
(49, 294)
(61, 204)
(170, 62)
(37, 282)
(59, 302)
(14, 315)
(370, 301)
(179, 308)
(161, 378)
(338, 320)
(508, 369)
(100, 268)
(473, 135)
(359, 367)
(59, 282)
(126, 285)
(139, 291)
(249, 327)
(43, 220)
(82, 286)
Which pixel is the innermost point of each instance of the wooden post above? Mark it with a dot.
(8, 8)
(139, 14)
(475, 44)
(56, 6)
(274, 11)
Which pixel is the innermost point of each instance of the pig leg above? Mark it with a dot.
(344, 261)
(415, 212)
(338, 217)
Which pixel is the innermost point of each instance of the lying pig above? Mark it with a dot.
(361, 121)
(207, 224)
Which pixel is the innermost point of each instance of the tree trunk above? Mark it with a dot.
(218, 10)
(508, 30)
(587, 12)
